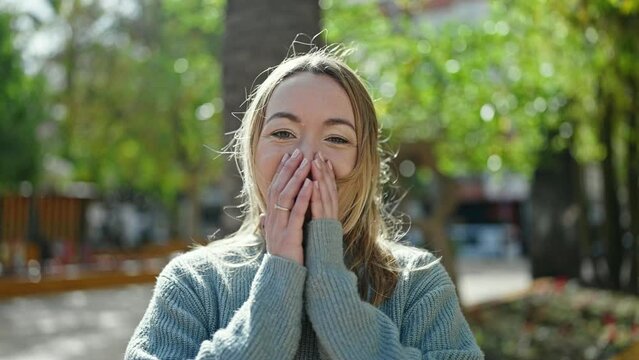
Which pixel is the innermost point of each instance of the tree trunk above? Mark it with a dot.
(611, 201)
(554, 247)
(257, 36)
(444, 203)
(434, 227)
(633, 182)
(583, 227)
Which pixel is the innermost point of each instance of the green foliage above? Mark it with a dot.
(491, 94)
(144, 101)
(21, 111)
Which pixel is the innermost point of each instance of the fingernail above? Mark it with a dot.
(318, 164)
(296, 153)
(285, 157)
(304, 162)
(330, 165)
(320, 156)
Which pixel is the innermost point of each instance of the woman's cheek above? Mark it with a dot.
(266, 163)
(343, 164)
(341, 171)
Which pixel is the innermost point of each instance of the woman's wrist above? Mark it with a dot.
(290, 254)
(324, 243)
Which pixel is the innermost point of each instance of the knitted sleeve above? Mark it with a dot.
(267, 325)
(348, 328)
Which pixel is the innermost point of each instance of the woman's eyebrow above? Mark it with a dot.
(285, 115)
(294, 118)
(338, 121)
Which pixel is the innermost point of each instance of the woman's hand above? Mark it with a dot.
(287, 201)
(324, 201)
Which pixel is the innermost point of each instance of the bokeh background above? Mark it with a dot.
(514, 127)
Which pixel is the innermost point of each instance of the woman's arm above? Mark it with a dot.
(349, 328)
(267, 325)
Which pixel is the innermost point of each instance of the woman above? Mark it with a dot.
(315, 271)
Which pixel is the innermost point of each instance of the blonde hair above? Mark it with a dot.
(369, 230)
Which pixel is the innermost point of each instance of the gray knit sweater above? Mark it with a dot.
(277, 309)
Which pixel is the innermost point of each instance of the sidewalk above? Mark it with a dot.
(83, 324)
(482, 280)
(97, 324)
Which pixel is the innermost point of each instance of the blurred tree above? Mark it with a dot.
(561, 239)
(469, 97)
(596, 45)
(252, 45)
(508, 93)
(21, 111)
(140, 100)
(609, 29)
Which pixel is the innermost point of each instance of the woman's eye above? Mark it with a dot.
(337, 140)
(283, 134)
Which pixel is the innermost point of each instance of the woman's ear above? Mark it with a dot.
(262, 218)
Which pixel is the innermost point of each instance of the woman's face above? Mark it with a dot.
(311, 113)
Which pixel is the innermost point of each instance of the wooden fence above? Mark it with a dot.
(32, 227)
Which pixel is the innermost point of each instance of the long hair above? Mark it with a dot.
(369, 230)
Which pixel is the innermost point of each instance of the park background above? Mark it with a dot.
(514, 127)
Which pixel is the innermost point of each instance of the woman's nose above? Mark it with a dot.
(308, 149)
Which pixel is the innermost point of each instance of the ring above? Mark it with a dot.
(277, 207)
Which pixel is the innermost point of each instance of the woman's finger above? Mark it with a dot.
(296, 220)
(282, 177)
(278, 183)
(281, 164)
(323, 187)
(286, 198)
(329, 177)
(317, 205)
(287, 195)
(332, 182)
(286, 166)
(317, 211)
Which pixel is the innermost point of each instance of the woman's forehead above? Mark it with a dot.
(311, 95)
